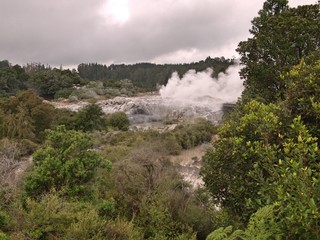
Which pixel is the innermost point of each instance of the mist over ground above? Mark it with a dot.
(196, 87)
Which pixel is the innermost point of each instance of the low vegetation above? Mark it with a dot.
(91, 178)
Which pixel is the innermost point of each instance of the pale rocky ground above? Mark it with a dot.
(153, 108)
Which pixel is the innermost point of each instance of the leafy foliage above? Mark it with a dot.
(226, 167)
(303, 91)
(294, 36)
(250, 168)
(146, 186)
(55, 218)
(225, 234)
(90, 118)
(191, 135)
(268, 153)
(50, 82)
(262, 225)
(294, 183)
(65, 164)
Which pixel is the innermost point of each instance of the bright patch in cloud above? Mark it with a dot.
(116, 11)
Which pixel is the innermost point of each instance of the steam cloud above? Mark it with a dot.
(195, 86)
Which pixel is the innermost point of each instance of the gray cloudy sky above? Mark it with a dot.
(70, 32)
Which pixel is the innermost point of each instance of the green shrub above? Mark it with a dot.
(157, 223)
(171, 144)
(51, 216)
(90, 118)
(86, 225)
(193, 134)
(25, 116)
(65, 117)
(118, 120)
(28, 147)
(55, 218)
(65, 163)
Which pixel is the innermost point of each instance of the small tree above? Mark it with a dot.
(90, 118)
(65, 163)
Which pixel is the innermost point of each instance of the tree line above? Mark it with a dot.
(148, 76)
(51, 83)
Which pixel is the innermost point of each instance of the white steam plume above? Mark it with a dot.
(194, 86)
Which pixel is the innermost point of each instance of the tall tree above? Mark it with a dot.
(282, 36)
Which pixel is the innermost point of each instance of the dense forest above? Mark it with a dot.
(146, 75)
(96, 79)
(85, 175)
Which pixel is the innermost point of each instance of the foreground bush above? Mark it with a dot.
(55, 218)
(65, 163)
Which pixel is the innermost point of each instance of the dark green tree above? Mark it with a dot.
(147, 76)
(247, 139)
(12, 80)
(293, 182)
(49, 82)
(90, 118)
(282, 36)
(65, 164)
(268, 156)
(303, 92)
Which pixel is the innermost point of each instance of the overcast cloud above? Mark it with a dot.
(69, 32)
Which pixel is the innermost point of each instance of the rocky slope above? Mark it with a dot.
(154, 108)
